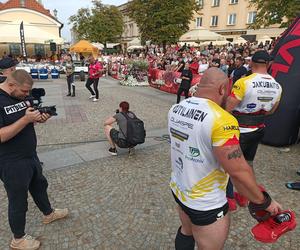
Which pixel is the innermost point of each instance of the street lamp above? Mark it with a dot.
(55, 12)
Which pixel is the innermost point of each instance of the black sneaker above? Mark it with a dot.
(113, 151)
(68, 94)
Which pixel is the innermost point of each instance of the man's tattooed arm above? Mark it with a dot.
(235, 154)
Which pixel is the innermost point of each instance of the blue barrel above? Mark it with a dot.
(34, 73)
(54, 73)
(43, 73)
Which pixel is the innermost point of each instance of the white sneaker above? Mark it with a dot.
(92, 97)
(95, 100)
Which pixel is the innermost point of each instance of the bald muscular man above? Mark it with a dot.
(205, 151)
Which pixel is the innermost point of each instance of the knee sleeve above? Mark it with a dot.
(184, 242)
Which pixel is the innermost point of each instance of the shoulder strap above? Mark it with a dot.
(120, 127)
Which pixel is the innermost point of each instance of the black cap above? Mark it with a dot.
(7, 63)
(261, 56)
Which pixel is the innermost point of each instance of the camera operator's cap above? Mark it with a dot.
(7, 63)
(261, 56)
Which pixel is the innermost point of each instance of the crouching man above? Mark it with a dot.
(119, 138)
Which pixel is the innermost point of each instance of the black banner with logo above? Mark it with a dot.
(23, 44)
(282, 127)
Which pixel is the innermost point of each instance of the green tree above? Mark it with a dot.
(275, 12)
(102, 23)
(162, 21)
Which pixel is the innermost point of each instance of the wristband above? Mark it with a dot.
(257, 211)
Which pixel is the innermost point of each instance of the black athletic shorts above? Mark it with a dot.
(249, 143)
(121, 143)
(203, 218)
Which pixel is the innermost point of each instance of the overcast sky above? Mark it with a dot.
(66, 8)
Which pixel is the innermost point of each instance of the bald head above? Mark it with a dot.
(213, 78)
(213, 85)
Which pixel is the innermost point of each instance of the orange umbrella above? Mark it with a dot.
(85, 47)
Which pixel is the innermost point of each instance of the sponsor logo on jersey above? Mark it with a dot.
(178, 134)
(265, 99)
(15, 108)
(194, 155)
(251, 106)
(190, 102)
(194, 152)
(231, 127)
(182, 123)
(177, 149)
(179, 164)
(265, 84)
(266, 92)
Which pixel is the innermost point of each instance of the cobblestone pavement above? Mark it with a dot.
(82, 120)
(124, 202)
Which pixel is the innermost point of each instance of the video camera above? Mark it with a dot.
(35, 100)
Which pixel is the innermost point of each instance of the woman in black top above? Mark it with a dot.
(186, 80)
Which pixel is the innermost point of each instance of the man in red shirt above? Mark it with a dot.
(194, 66)
(95, 72)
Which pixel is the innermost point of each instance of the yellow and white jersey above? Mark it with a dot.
(196, 125)
(258, 94)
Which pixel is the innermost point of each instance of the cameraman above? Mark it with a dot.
(20, 169)
(114, 136)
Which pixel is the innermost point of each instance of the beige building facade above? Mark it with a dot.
(131, 30)
(231, 18)
(40, 28)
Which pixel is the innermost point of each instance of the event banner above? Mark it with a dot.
(168, 80)
(282, 127)
(23, 44)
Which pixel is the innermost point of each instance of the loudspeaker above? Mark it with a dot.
(53, 47)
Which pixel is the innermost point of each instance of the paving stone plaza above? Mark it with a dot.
(124, 202)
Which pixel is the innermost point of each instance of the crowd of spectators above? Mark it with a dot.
(233, 59)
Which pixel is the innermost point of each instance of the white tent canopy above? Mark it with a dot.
(200, 34)
(264, 39)
(135, 41)
(216, 43)
(99, 46)
(133, 47)
(111, 45)
(239, 40)
(32, 33)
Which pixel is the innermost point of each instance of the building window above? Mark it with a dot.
(14, 49)
(200, 3)
(233, 1)
(22, 3)
(214, 21)
(215, 3)
(251, 17)
(198, 22)
(39, 49)
(231, 19)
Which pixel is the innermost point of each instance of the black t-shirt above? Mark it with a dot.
(186, 84)
(23, 145)
(238, 73)
(216, 62)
